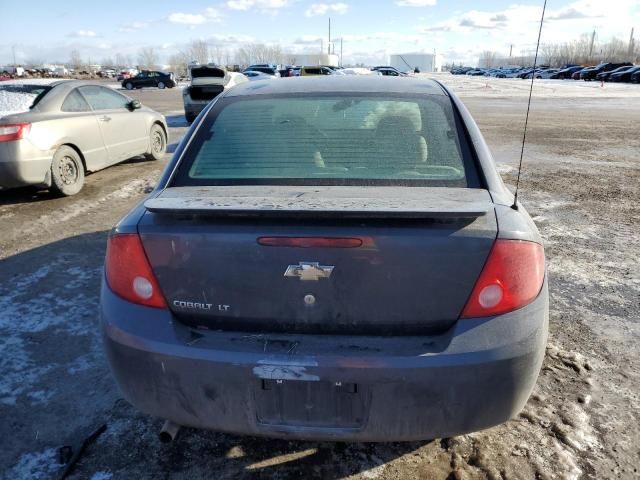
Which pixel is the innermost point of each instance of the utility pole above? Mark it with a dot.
(593, 38)
(340, 51)
(510, 50)
(329, 45)
(13, 50)
(631, 44)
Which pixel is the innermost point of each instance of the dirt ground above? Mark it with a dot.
(580, 184)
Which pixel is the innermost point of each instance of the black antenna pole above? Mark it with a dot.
(526, 119)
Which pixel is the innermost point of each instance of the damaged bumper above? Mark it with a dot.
(327, 387)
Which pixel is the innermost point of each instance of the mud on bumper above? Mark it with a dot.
(476, 375)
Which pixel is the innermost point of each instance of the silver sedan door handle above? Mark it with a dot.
(104, 118)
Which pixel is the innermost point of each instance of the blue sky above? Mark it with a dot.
(459, 29)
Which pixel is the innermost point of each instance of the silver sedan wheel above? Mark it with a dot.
(67, 171)
(157, 143)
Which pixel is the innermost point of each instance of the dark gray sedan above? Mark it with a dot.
(71, 128)
(328, 258)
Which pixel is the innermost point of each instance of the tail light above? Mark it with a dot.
(129, 274)
(511, 278)
(14, 131)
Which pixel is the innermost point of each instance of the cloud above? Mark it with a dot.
(467, 22)
(259, 4)
(187, 18)
(231, 40)
(570, 14)
(416, 3)
(83, 33)
(436, 28)
(133, 27)
(213, 14)
(501, 17)
(307, 40)
(324, 8)
(192, 20)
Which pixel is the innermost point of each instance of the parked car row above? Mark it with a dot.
(609, 71)
(271, 70)
(262, 71)
(208, 81)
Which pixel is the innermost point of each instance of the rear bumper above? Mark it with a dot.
(22, 164)
(194, 107)
(476, 375)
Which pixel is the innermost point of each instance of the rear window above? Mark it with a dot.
(329, 140)
(15, 98)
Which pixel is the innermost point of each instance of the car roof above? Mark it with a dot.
(340, 84)
(52, 101)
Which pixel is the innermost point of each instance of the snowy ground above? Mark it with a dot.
(468, 86)
(580, 184)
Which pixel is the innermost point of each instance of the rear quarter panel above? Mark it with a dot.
(49, 132)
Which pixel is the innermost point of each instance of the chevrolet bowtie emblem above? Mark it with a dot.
(309, 271)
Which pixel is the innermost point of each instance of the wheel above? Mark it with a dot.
(128, 86)
(161, 85)
(157, 143)
(67, 172)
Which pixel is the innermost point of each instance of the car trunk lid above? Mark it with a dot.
(357, 260)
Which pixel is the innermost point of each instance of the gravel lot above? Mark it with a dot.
(580, 184)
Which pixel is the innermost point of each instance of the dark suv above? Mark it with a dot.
(592, 72)
(148, 78)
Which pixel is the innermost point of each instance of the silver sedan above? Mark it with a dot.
(73, 128)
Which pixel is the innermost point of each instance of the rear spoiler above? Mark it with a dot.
(323, 202)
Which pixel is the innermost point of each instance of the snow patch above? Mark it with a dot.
(503, 168)
(102, 476)
(469, 86)
(35, 466)
(566, 463)
(126, 191)
(15, 102)
(27, 308)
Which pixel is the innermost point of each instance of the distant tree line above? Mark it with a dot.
(586, 50)
(199, 51)
(203, 52)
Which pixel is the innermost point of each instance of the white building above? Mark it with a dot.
(426, 62)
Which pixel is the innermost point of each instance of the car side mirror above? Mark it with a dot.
(134, 105)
